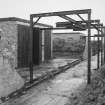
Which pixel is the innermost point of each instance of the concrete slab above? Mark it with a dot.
(10, 80)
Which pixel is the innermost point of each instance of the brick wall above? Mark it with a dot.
(9, 40)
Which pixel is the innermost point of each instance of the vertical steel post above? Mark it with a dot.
(93, 46)
(89, 49)
(104, 42)
(98, 51)
(31, 49)
(101, 48)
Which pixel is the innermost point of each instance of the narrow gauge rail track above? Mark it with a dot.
(39, 80)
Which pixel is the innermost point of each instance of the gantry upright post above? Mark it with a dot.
(89, 49)
(31, 49)
(93, 46)
(104, 42)
(98, 50)
(102, 46)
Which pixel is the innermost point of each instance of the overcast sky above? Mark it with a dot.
(23, 8)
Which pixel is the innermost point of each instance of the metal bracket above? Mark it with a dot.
(36, 21)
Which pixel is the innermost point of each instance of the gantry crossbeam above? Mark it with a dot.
(85, 11)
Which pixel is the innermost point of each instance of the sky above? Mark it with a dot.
(23, 8)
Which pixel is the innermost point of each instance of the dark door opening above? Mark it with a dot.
(23, 46)
(36, 46)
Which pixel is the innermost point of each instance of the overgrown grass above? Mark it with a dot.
(93, 94)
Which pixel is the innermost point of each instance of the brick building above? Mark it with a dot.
(15, 38)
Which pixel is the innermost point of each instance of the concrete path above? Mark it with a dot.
(58, 90)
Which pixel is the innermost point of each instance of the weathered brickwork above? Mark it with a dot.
(13, 42)
(9, 41)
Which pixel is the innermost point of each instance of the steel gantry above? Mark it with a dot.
(95, 24)
(70, 24)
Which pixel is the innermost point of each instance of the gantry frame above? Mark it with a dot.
(63, 15)
(95, 24)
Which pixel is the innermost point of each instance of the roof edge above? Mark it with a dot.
(21, 20)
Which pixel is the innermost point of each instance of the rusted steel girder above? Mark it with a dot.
(89, 50)
(102, 49)
(84, 24)
(79, 25)
(31, 49)
(58, 24)
(98, 53)
(73, 12)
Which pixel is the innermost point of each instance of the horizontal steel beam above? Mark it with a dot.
(101, 35)
(88, 23)
(96, 35)
(85, 11)
(63, 28)
(92, 21)
(72, 21)
(101, 26)
(67, 24)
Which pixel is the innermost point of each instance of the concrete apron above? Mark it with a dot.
(10, 81)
